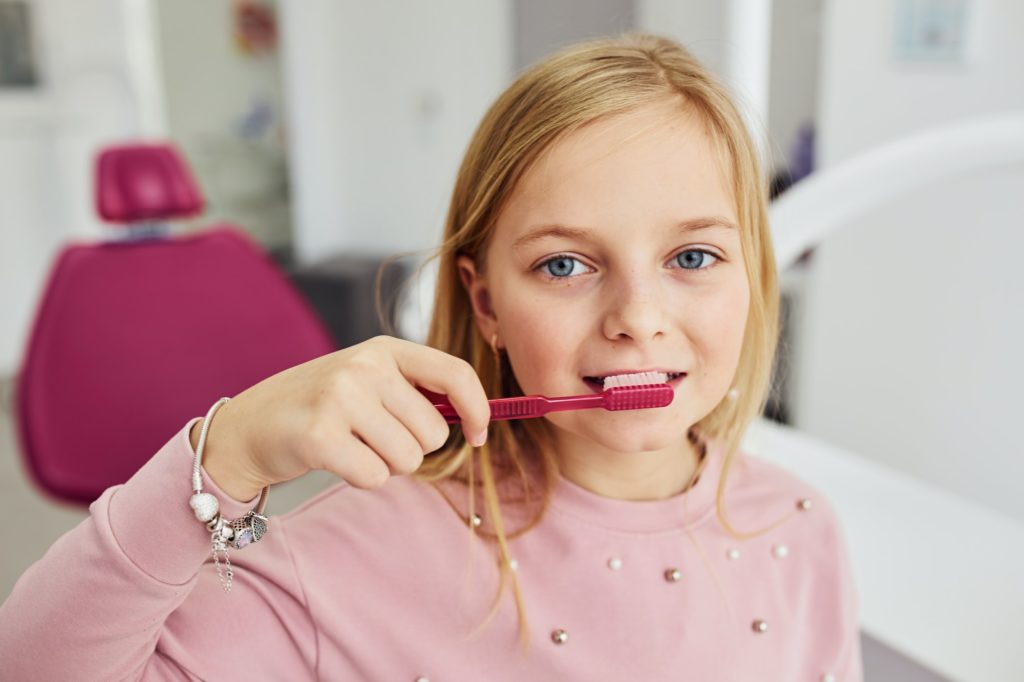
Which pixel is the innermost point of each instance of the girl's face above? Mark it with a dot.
(619, 252)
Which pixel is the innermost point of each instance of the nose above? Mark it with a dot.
(635, 308)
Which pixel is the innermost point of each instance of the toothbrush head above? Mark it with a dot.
(638, 397)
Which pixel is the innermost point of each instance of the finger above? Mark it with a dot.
(440, 372)
(389, 438)
(357, 464)
(417, 414)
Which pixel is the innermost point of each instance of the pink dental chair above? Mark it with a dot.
(135, 336)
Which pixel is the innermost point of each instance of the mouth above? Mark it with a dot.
(598, 384)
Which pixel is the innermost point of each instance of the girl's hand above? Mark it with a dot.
(355, 412)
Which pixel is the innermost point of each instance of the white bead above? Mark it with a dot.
(780, 551)
(422, 679)
(733, 554)
(513, 564)
(204, 505)
(615, 563)
(828, 677)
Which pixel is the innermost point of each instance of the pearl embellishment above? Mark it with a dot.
(475, 520)
(804, 504)
(204, 505)
(828, 677)
(780, 551)
(760, 626)
(615, 563)
(559, 636)
(673, 575)
(733, 554)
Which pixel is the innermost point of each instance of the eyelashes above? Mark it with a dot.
(696, 260)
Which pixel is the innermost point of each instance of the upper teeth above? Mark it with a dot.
(636, 379)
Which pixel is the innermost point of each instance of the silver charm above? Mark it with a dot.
(204, 505)
(248, 529)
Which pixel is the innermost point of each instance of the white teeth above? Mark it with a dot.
(637, 379)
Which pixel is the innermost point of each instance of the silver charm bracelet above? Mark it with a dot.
(223, 534)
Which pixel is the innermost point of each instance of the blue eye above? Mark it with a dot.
(559, 267)
(695, 259)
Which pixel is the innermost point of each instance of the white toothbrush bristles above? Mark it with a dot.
(640, 379)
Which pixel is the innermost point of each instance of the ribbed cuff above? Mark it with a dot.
(151, 519)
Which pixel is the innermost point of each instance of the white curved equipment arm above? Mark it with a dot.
(901, 529)
(828, 199)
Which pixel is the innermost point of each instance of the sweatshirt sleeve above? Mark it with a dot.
(128, 594)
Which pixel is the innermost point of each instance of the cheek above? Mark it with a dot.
(537, 339)
(718, 331)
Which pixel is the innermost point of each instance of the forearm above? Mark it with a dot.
(94, 605)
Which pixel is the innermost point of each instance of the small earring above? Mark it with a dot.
(494, 342)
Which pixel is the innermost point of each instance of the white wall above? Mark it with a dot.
(211, 87)
(795, 60)
(381, 107)
(909, 346)
(98, 73)
(766, 52)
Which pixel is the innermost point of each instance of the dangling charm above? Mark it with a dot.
(248, 529)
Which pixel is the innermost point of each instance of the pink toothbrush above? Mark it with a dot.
(616, 398)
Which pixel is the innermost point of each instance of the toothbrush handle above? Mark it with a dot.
(526, 407)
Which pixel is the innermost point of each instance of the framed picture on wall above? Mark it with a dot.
(18, 67)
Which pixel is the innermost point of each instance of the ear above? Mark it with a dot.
(479, 296)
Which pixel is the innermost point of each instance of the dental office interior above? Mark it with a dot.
(306, 149)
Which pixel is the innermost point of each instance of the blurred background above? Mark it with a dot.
(323, 136)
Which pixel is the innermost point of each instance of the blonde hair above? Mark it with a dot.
(558, 95)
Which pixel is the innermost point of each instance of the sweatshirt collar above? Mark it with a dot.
(691, 507)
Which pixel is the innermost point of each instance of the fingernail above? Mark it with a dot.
(479, 439)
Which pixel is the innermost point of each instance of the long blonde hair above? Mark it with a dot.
(558, 95)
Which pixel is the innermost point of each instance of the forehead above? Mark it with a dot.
(652, 165)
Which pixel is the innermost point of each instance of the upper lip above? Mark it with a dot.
(613, 372)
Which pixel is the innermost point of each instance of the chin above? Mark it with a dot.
(628, 436)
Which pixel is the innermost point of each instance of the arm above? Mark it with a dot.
(126, 594)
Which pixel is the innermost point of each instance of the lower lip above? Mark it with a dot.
(597, 387)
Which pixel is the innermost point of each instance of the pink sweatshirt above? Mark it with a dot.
(388, 585)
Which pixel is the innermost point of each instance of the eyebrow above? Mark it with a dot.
(581, 234)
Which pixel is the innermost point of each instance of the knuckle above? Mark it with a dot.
(463, 369)
(409, 461)
(438, 437)
(372, 475)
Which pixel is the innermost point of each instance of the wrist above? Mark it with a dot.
(220, 468)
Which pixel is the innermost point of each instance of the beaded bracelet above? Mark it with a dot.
(223, 534)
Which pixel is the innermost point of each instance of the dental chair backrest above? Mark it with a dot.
(135, 336)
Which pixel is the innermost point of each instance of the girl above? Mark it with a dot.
(609, 219)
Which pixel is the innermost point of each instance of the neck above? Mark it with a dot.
(633, 476)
